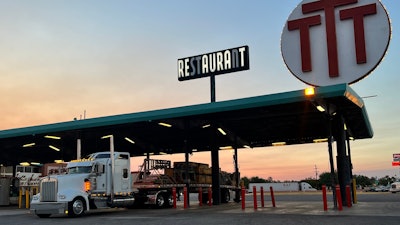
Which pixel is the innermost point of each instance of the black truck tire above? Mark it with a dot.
(76, 207)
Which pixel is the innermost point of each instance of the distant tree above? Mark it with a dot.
(363, 180)
(257, 179)
(386, 180)
(245, 181)
(325, 179)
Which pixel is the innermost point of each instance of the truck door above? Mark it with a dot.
(101, 179)
(121, 177)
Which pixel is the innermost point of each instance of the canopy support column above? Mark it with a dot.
(342, 159)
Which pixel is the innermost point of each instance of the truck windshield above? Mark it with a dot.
(80, 169)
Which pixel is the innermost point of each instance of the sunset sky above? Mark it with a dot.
(64, 59)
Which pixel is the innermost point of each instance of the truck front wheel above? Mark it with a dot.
(76, 207)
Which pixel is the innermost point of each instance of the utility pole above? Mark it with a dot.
(316, 172)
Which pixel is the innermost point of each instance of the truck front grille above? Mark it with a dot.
(48, 190)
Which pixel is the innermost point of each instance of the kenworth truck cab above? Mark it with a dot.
(101, 180)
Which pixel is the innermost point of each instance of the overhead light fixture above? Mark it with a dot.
(205, 126)
(221, 131)
(58, 161)
(246, 146)
(320, 108)
(164, 124)
(24, 164)
(225, 147)
(163, 153)
(36, 164)
(310, 91)
(320, 140)
(54, 148)
(28, 145)
(52, 137)
(107, 136)
(129, 140)
(194, 150)
(282, 143)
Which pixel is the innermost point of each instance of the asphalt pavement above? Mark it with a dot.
(291, 208)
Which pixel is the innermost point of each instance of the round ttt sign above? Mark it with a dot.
(327, 42)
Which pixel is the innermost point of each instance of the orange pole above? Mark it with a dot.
(324, 198)
(209, 196)
(272, 196)
(348, 196)
(243, 198)
(174, 197)
(262, 196)
(339, 198)
(255, 197)
(200, 196)
(185, 205)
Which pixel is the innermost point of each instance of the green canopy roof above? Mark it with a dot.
(286, 118)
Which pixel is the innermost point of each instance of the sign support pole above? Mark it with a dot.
(212, 87)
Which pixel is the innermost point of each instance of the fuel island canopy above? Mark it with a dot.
(278, 119)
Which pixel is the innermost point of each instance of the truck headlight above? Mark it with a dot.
(61, 196)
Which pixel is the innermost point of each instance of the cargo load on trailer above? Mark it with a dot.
(156, 178)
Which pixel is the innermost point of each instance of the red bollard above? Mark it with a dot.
(272, 196)
(324, 198)
(200, 196)
(339, 198)
(185, 205)
(174, 197)
(255, 197)
(209, 196)
(348, 196)
(243, 198)
(262, 196)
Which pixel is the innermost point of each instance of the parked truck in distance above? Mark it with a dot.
(284, 187)
(394, 187)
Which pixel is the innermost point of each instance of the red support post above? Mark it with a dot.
(243, 198)
(255, 197)
(185, 205)
(262, 196)
(174, 197)
(324, 199)
(200, 196)
(339, 198)
(348, 196)
(272, 196)
(209, 196)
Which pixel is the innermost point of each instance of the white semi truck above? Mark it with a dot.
(101, 180)
(104, 180)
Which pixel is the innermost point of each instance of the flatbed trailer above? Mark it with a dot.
(155, 186)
